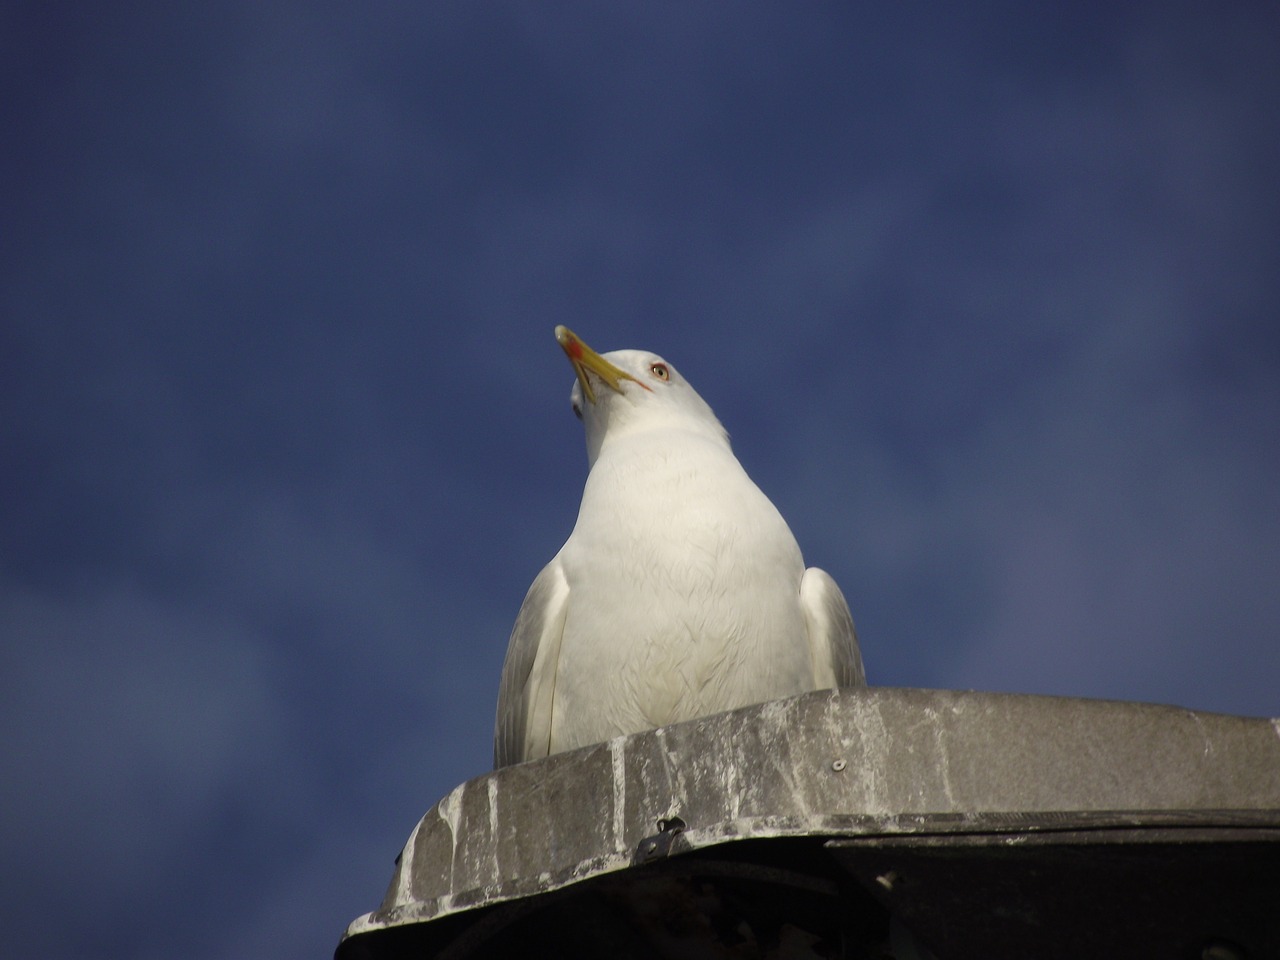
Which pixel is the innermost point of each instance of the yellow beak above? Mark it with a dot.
(584, 358)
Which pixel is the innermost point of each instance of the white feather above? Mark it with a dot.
(681, 591)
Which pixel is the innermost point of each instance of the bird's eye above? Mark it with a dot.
(660, 371)
(577, 411)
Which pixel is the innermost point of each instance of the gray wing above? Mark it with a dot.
(522, 730)
(833, 642)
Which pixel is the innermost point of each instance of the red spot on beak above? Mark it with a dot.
(574, 349)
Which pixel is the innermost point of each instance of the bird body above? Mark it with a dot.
(681, 591)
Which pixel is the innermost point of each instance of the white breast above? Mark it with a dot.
(683, 593)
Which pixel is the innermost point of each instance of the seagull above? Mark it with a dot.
(681, 591)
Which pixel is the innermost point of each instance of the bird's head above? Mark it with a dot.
(626, 391)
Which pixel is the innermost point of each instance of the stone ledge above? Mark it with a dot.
(832, 765)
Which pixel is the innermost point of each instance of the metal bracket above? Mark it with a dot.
(663, 843)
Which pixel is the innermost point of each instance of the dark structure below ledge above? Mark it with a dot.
(886, 823)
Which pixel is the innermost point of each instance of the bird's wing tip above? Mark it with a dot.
(833, 639)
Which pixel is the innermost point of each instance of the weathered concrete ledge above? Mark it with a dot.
(854, 763)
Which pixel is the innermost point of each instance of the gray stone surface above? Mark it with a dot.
(859, 763)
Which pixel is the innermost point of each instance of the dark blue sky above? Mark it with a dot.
(988, 299)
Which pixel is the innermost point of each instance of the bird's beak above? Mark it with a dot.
(585, 359)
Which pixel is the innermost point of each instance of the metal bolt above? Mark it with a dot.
(887, 880)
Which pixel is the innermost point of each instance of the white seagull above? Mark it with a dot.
(681, 591)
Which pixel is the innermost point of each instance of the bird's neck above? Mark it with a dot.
(664, 469)
(695, 439)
